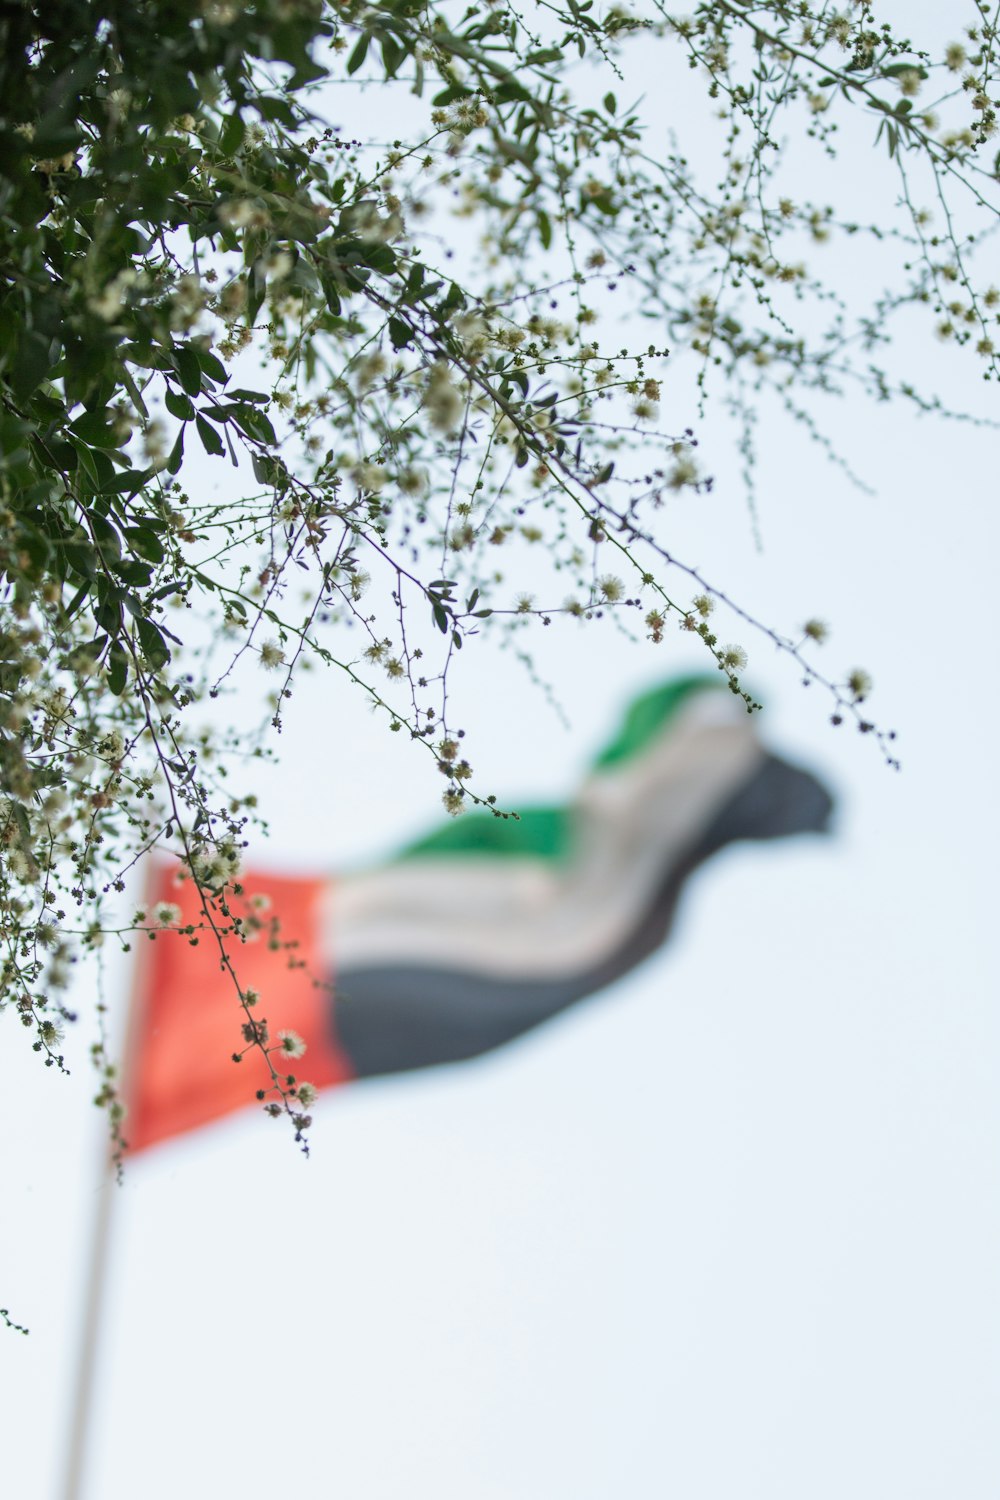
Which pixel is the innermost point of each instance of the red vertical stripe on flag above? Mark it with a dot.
(187, 1021)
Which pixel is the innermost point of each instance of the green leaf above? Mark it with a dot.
(32, 363)
(331, 292)
(154, 647)
(185, 362)
(400, 333)
(894, 70)
(610, 104)
(256, 425)
(135, 395)
(211, 364)
(231, 135)
(380, 258)
(117, 668)
(106, 538)
(210, 439)
(86, 654)
(87, 463)
(277, 109)
(414, 283)
(176, 454)
(449, 95)
(93, 428)
(392, 55)
(145, 542)
(269, 470)
(54, 135)
(544, 228)
(13, 432)
(178, 406)
(57, 455)
(360, 52)
(127, 484)
(136, 574)
(81, 557)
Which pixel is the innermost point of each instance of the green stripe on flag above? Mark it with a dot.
(538, 833)
(646, 716)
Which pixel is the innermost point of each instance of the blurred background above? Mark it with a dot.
(730, 1228)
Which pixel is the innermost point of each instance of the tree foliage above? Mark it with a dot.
(274, 390)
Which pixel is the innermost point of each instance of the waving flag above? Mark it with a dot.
(469, 937)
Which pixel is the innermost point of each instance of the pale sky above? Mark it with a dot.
(731, 1229)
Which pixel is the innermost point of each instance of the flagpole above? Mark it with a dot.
(79, 1448)
(87, 1361)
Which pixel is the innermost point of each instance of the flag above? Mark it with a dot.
(469, 937)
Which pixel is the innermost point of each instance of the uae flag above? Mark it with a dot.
(467, 938)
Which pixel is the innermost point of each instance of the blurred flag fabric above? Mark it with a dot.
(468, 937)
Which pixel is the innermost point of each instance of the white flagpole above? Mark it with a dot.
(79, 1447)
(81, 1425)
